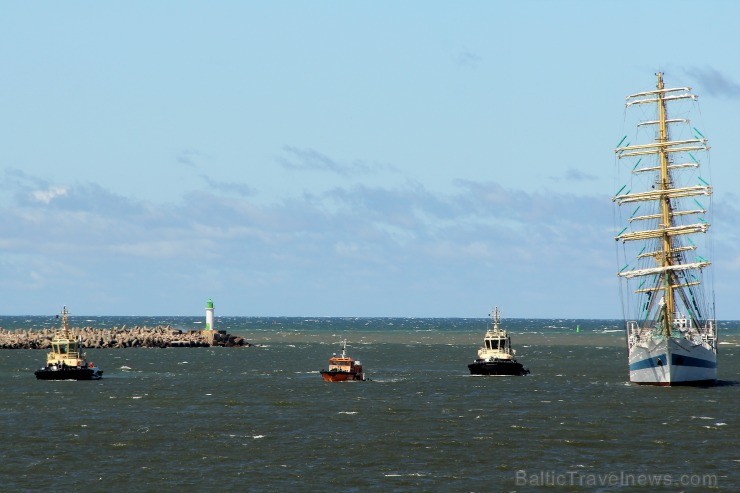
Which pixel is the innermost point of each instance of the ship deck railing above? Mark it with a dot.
(682, 330)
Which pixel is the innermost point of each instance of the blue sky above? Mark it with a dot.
(425, 159)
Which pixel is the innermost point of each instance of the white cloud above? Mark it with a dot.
(164, 249)
(46, 196)
(349, 251)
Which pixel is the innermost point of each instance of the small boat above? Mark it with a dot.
(496, 356)
(343, 368)
(64, 361)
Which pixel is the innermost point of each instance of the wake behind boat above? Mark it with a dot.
(672, 334)
(496, 357)
(343, 368)
(64, 361)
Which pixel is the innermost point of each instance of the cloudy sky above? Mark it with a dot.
(339, 158)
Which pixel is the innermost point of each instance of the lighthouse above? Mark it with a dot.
(209, 314)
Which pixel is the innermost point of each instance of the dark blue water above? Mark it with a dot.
(262, 419)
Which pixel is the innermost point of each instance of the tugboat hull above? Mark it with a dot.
(497, 368)
(68, 374)
(341, 376)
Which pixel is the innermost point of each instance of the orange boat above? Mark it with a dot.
(343, 368)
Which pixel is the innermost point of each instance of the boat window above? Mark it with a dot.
(488, 344)
(503, 344)
(494, 344)
(63, 348)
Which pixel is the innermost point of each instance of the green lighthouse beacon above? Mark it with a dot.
(209, 314)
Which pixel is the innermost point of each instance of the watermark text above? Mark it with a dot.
(614, 478)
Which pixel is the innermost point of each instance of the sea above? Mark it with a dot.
(261, 419)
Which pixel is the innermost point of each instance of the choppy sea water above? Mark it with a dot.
(262, 419)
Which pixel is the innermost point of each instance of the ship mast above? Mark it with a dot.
(65, 327)
(669, 223)
(665, 210)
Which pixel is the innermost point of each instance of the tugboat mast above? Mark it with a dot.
(65, 326)
(496, 316)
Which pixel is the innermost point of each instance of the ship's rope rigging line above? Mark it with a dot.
(648, 307)
(621, 253)
(692, 307)
(710, 241)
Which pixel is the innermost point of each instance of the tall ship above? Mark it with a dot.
(664, 248)
(64, 361)
(342, 368)
(496, 357)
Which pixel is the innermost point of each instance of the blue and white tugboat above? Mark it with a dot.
(64, 361)
(496, 356)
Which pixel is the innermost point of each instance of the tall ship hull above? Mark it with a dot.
(661, 361)
(663, 247)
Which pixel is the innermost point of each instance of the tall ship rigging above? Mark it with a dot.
(664, 249)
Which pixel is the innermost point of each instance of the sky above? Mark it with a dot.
(340, 158)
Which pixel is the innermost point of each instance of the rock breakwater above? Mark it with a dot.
(161, 336)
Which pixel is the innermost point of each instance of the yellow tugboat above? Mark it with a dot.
(496, 357)
(64, 361)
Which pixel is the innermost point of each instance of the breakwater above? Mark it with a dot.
(161, 336)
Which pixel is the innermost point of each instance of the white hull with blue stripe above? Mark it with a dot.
(672, 361)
